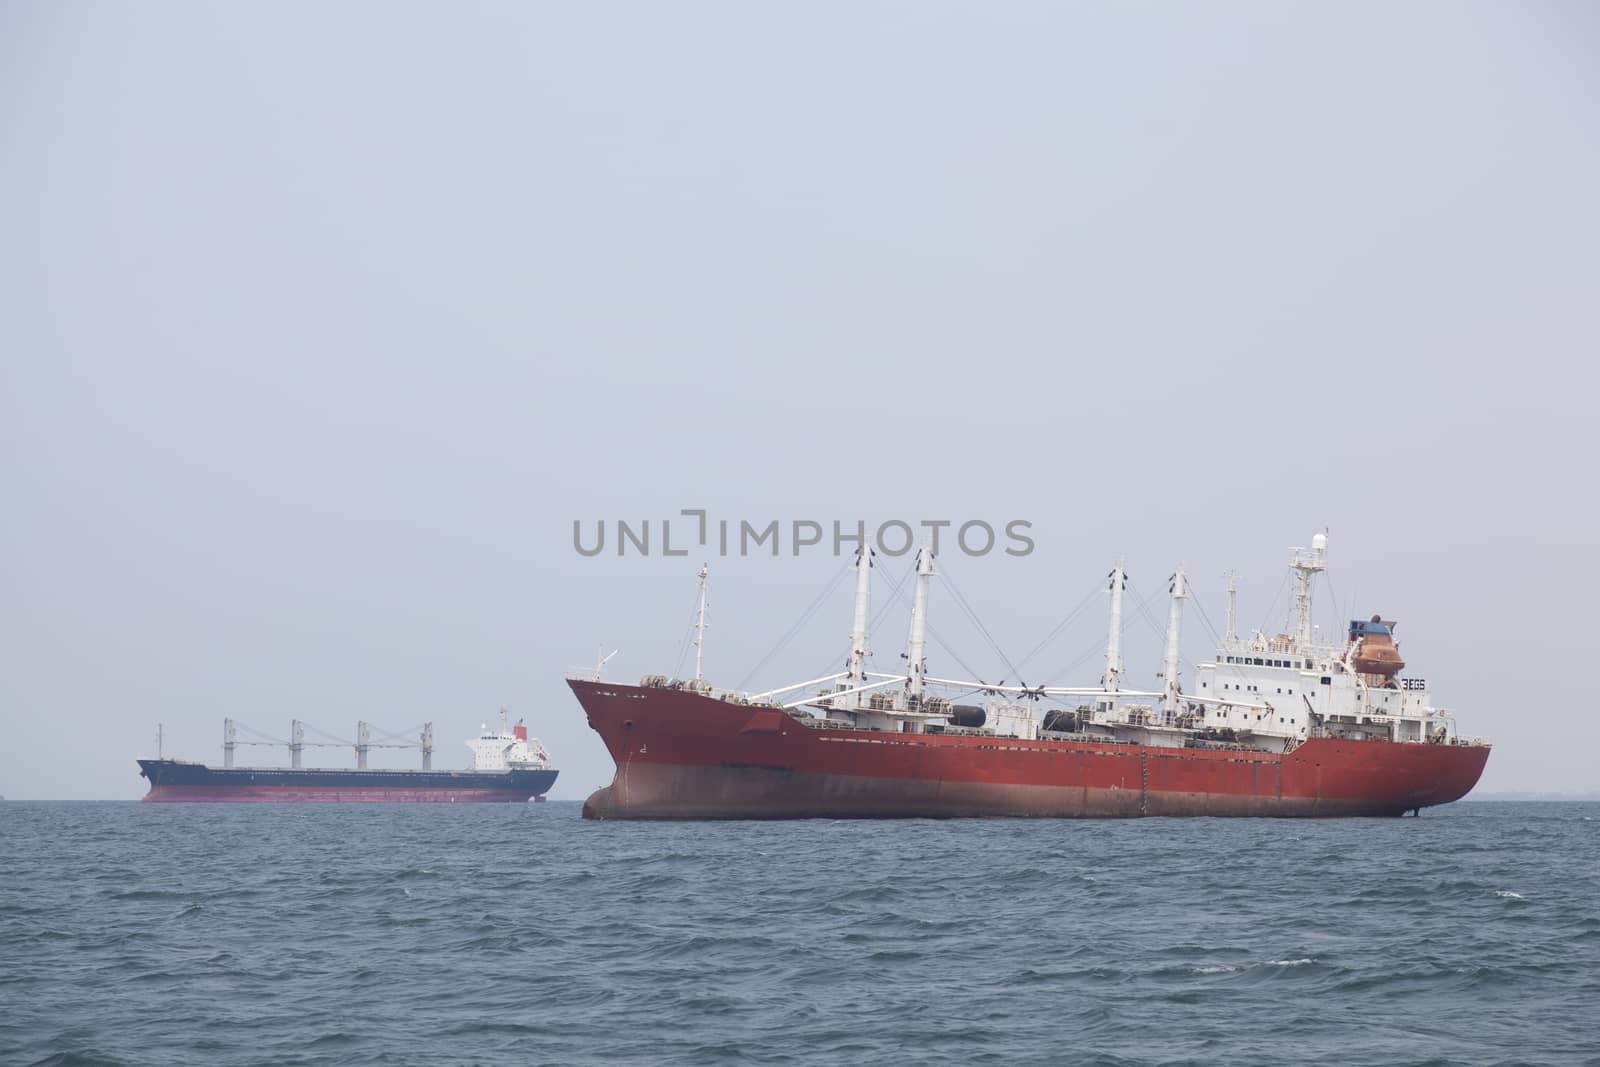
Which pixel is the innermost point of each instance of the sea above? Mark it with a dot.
(521, 934)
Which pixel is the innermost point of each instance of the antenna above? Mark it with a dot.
(700, 624)
(1233, 605)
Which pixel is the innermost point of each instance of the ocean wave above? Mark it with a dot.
(448, 936)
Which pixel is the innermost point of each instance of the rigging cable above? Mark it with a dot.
(938, 639)
(972, 615)
(323, 733)
(1144, 609)
(883, 609)
(237, 725)
(417, 729)
(1221, 661)
(1088, 654)
(793, 631)
(1262, 629)
(1072, 616)
(1327, 576)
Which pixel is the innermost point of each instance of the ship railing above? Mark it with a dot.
(584, 674)
(1318, 651)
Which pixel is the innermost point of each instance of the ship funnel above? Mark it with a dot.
(520, 731)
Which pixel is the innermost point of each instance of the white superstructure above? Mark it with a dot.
(508, 749)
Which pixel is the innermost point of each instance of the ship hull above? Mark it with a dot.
(172, 781)
(681, 755)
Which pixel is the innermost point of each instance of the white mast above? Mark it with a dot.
(1233, 606)
(1306, 565)
(363, 744)
(427, 746)
(229, 739)
(1119, 580)
(1180, 593)
(856, 675)
(700, 623)
(917, 645)
(297, 742)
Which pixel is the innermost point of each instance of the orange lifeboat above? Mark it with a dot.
(1374, 648)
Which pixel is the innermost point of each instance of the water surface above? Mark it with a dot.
(501, 934)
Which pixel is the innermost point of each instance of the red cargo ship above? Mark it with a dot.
(1341, 733)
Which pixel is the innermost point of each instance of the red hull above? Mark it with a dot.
(328, 795)
(683, 755)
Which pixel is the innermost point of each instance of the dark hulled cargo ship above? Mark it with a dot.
(172, 780)
(1273, 726)
(508, 767)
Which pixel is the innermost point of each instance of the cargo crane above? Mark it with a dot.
(297, 744)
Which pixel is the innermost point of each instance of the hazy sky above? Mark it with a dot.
(320, 324)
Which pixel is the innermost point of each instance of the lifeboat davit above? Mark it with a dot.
(1373, 648)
